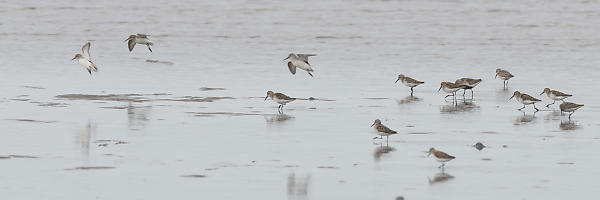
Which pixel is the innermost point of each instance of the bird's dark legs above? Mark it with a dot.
(411, 91)
(522, 107)
(547, 106)
(536, 109)
(310, 74)
(471, 93)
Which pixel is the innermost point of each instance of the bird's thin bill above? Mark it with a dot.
(286, 58)
(266, 97)
(372, 124)
(511, 97)
(496, 76)
(440, 88)
(542, 92)
(397, 80)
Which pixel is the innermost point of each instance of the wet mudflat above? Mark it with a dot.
(194, 116)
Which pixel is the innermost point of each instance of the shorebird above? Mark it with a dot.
(525, 99)
(569, 107)
(449, 88)
(138, 39)
(504, 75)
(280, 98)
(409, 82)
(479, 146)
(555, 95)
(382, 130)
(440, 156)
(300, 61)
(86, 59)
(467, 84)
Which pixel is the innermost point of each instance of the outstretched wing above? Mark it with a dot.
(304, 57)
(131, 44)
(86, 51)
(292, 67)
(142, 35)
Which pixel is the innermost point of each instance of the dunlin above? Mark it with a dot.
(299, 61)
(525, 99)
(555, 95)
(409, 82)
(479, 146)
(280, 98)
(383, 130)
(440, 156)
(569, 107)
(467, 84)
(86, 59)
(504, 75)
(138, 39)
(449, 88)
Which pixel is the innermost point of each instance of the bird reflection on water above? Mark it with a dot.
(440, 178)
(297, 187)
(381, 150)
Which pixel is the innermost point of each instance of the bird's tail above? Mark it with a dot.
(94, 67)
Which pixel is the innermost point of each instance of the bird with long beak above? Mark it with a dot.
(409, 82)
(449, 88)
(299, 61)
(569, 107)
(504, 75)
(138, 39)
(525, 99)
(555, 95)
(382, 130)
(86, 59)
(440, 156)
(279, 98)
(467, 84)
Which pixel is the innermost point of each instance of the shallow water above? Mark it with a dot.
(189, 120)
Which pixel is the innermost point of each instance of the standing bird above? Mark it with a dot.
(525, 99)
(382, 130)
(280, 98)
(555, 95)
(569, 107)
(86, 59)
(409, 82)
(504, 75)
(138, 39)
(467, 84)
(440, 156)
(449, 88)
(300, 61)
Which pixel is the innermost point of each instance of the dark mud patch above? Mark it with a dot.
(194, 176)
(212, 114)
(195, 99)
(106, 97)
(32, 120)
(489, 132)
(377, 98)
(33, 87)
(314, 99)
(50, 104)
(160, 62)
(419, 133)
(209, 89)
(17, 156)
(90, 168)
(325, 37)
(104, 143)
(566, 163)
(327, 167)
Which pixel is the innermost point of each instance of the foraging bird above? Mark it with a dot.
(138, 39)
(467, 84)
(479, 146)
(409, 82)
(86, 59)
(504, 75)
(449, 88)
(382, 130)
(555, 95)
(299, 61)
(440, 156)
(569, 107)
(525, 99)
(280, 98)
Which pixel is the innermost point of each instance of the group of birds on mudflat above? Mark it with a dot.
(301, 61)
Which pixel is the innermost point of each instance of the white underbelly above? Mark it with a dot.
(554, 97)
(302, 65)
(450, 90)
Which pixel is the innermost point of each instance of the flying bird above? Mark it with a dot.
(85, 59)
(138, 39)
(299, 61)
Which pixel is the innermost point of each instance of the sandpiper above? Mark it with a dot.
(525, 99)
(569, 107)
(138, 39)
(555, 95)
(449, 88)
(280, 98)
(504, 75)
(382, 130)
(409, 82)
(300, 61)
(86, 59)
(467, 84)
(440, 156)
